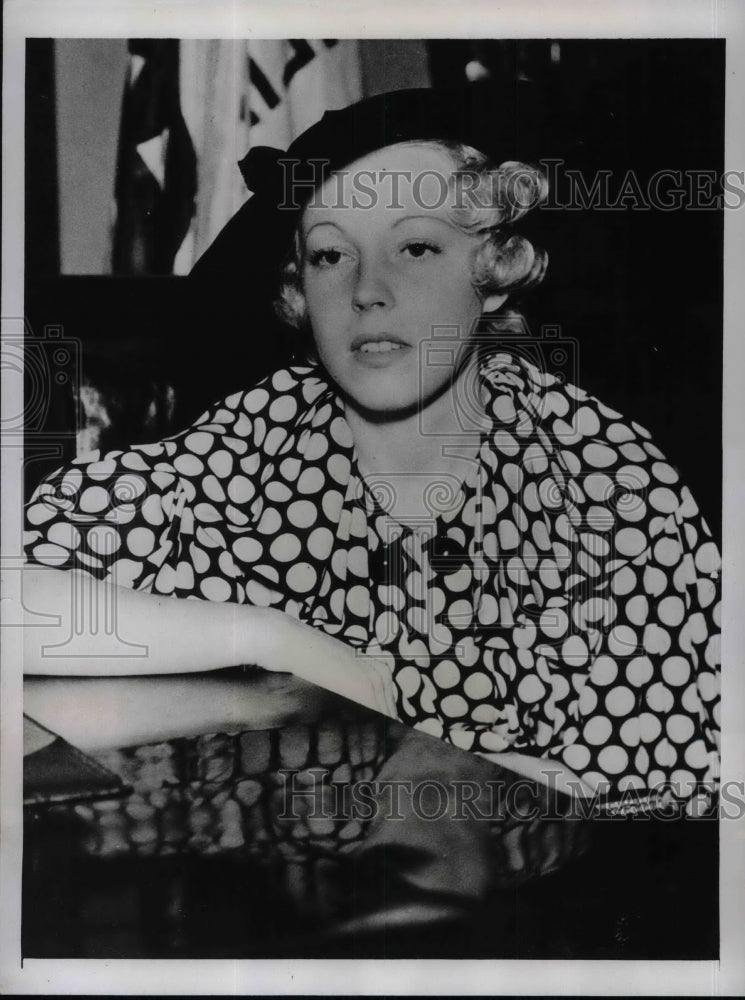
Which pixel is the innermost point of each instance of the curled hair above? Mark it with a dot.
(290, 304)
(486, 200)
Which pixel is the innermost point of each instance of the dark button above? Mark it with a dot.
(386, 564)
(377, 565)
(446, 555)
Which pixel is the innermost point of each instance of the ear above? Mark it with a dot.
(493, 302)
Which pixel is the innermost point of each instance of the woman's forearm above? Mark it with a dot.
(97, 713)
(75, 625)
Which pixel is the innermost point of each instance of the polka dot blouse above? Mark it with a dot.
(562, 603)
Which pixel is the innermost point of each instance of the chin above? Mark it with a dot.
(383, 396)
(383, 404)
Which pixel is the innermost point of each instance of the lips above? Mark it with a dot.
(376, 343)
(380, 347)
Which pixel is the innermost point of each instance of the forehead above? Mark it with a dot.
(389, 182)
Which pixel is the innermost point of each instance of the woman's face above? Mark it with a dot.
(388, 280)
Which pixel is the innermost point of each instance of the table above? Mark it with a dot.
(268, 818)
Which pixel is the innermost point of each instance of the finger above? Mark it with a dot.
(391, 701)
(383, 671)
(379, 695)
(391, 691)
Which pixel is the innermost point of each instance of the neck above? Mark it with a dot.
(413, 441)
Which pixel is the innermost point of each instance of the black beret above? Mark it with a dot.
(262, 228)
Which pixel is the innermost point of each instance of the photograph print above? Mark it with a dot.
(373, 484)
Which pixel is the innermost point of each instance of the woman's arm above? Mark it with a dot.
(75, 625)
(157, 635)
(99, 713)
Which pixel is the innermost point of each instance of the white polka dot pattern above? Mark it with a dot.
(565, 605)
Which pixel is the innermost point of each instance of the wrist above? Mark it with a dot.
(264, 637)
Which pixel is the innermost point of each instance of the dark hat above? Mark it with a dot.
(258, 235)
(341, 137)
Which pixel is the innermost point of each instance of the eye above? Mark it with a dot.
(325, 258)
(419, 249)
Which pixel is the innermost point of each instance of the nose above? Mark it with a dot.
(372, 287)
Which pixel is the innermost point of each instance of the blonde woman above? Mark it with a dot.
(412, 516)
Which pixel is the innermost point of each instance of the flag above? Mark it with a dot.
(155, 181)
(238, 94)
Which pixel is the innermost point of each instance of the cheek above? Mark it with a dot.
(325, 299)
(470, 305)
(450, 282)
(450, 303)
(327, 322)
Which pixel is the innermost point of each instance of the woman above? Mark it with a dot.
(416, 519)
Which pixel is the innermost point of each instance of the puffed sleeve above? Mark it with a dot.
(146, 517)
(647, 714)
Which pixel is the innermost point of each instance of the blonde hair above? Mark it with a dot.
(488, 201)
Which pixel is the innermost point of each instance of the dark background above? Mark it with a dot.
(640, 291)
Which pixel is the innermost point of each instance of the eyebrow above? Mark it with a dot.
(398, 222)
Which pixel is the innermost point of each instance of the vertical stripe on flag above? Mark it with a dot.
(238, 94)
(155, 184)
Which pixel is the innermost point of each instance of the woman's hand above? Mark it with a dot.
(328, 662)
